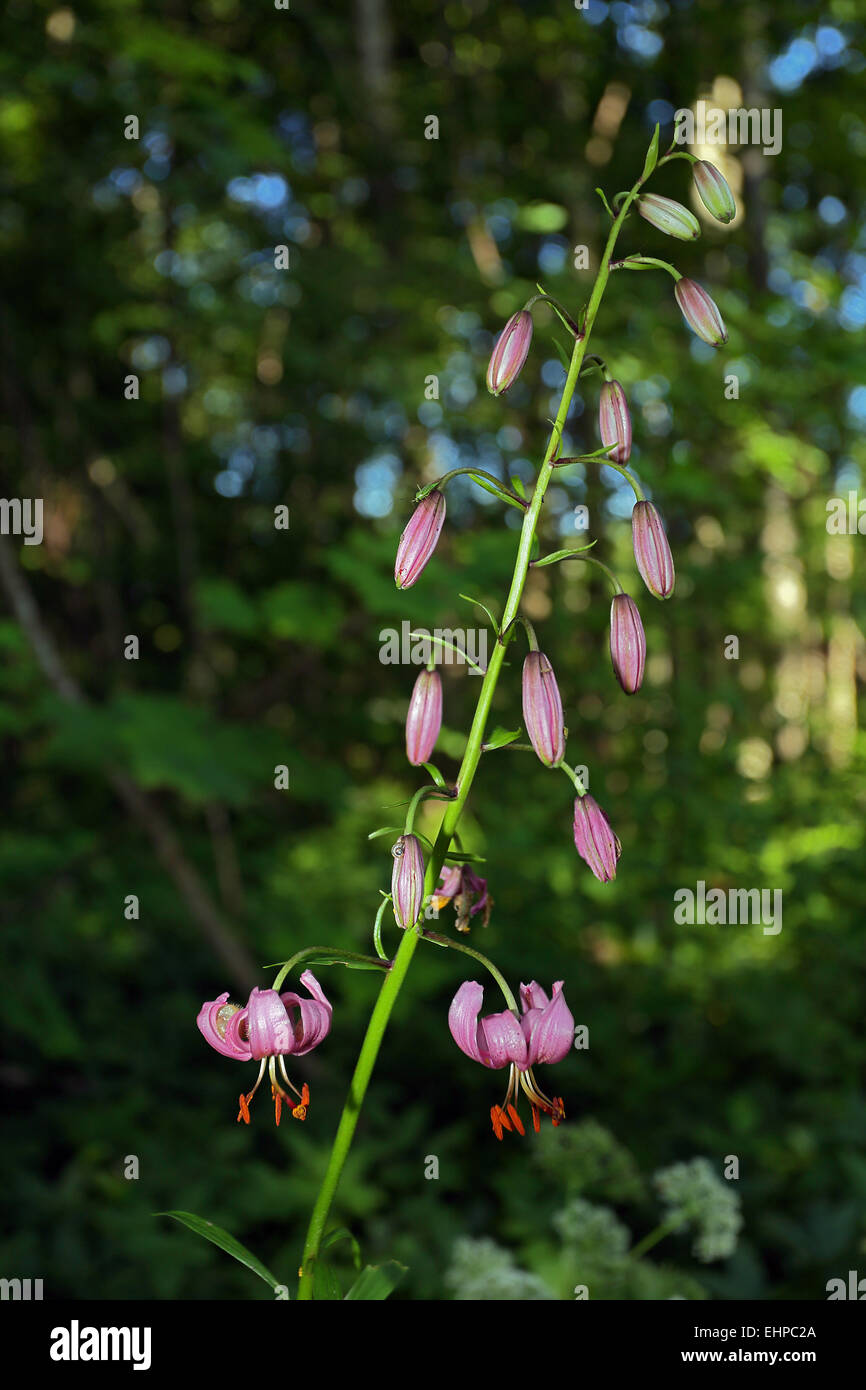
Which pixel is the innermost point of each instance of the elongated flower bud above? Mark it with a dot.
(651, 550)
(594, 840)
(714, 191)
(627, 643)
(407, 881)
(419, 539)
(669, 216)
(424, 719)
(700, 312)
(614, 421)
(509, 355)
(542, 709)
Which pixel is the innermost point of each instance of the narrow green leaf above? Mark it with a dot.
(377, 1281)
(349, 964)
(496, 491)
(500, 738)
(470, 599)
(343, 1233)
(217, 1236)
(601, 194)
(564, 356)
(652, 155)
(557, 555)
(517, 484)
(385, 830)
(326, 1286)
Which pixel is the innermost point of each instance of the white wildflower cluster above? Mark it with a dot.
(592, 1230)
(482, 1270)
(694, 1195)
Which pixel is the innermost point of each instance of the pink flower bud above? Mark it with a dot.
(714, 191)
(627, 643)
(509, 355)
(407, 881)
(419, 539)
(651, 550)
(424, 719)
(594, 840)
(669, 216)
(542, 709)
(700, 312)
(614, 421)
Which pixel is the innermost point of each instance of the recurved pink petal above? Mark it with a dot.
(494, 1041)
(219, 1024)
(309, 1019)
(269, 1025)
(549, 1028)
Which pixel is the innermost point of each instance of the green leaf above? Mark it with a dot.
(652, 155)
(377, 1281)
(385, 830)
(495, 491)
(557, 555)
(564, 355)
(601, 195)
(470, 599)
(517, 484)
(343, 1233)
(349, 964)
(500, 738)
(217, 1236)
(326, 1286)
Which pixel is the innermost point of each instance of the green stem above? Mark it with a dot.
(573, 777)
(476, 955)
(317, 953)
(665, 1228)
(471, 758)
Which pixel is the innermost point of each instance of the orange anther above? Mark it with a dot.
(305, 1094)
(278, 1106)
(497, 1125)
(518, 1123)
(536, 1119)
(244, 1112)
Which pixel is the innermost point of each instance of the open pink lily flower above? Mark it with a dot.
(544, 1033)
(459, 885)
(270, 1027)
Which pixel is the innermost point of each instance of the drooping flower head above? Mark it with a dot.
(627, 643)
(669, 216)
(652, 551)
(407, 881)
(424, 719)
(544, 1033)
(271, 1027)
(510, 352)
(542, 709)
(614, 421)
(459, 885)
(419, 539)
(714, 191)
(700, 312)
(594, 839)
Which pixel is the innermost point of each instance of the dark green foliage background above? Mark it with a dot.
(260, 647)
